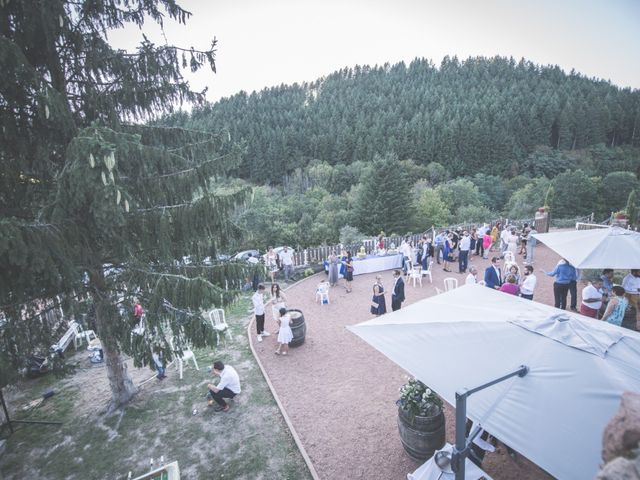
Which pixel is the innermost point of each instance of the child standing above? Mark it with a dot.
(285, 335)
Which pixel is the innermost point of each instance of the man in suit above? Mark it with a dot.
(493, 274)
(397, 296)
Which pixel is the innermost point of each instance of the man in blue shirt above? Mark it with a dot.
(565, 273)
(439, 244)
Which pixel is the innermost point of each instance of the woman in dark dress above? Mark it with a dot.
(348, 272)
(378, 302)
(448, 253)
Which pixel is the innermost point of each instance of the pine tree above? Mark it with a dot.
(381, 204)
(93, 207)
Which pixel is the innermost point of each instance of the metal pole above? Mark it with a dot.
(459, 456)
(461, 449)
(6, 412)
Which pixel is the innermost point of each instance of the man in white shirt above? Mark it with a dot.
(631, 285)
(286, 258)
(472, 278)
(529, 282)
(465, 246)
(228, 386)
(591, 299)
(258, 306)
(504, 238)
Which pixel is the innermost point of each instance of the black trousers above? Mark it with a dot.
(221, 395)
(260, 323)
(528, 296)
(395, 304)
(560, 291)
(573, 292)
(479, 248)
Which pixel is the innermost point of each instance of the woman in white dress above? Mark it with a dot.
(512, 242)
(271, 261)
(285, 335)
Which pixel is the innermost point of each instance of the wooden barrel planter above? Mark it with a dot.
(298, 327)
(421, 436)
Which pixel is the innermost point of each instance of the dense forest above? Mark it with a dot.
(399, 148)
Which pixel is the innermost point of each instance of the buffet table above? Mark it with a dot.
(375, 263)
(370, 264)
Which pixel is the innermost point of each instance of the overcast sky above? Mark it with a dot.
(266, 43)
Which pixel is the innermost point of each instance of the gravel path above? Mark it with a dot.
(340, 393)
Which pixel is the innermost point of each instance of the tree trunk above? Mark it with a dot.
(122, 387)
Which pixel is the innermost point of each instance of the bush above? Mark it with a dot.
(308, 272)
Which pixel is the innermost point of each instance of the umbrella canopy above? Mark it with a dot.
(612, 247)
(556, 414)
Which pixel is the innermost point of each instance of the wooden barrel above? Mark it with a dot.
(298, 327)
(421, 436)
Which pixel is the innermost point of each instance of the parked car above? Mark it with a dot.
(278, 250)
(244, 255)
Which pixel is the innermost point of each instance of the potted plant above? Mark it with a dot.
(421, 420)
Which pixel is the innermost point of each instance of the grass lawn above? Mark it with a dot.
(250, 442)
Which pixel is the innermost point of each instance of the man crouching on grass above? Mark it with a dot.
(228, 386)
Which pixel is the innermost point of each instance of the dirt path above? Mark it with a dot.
(340, 393)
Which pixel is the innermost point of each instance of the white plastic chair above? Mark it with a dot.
(508, 257)
(450, 283)
(322, 293)
(438, 291)
(219, 324)
(416, 274)
(427, 272)
(187, 354)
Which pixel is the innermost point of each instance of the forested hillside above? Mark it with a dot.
(400, 148)
(480, 115)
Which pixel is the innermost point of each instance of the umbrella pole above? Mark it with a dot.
(461, 449)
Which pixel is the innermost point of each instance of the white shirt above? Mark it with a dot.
(631, 284)
(504, 235)
(405, 249)
(229, 378)
(258, 303)
(286, 257)
(589, 292)
(471, 279)
(465, 243)
(529, 284)
(253, 260)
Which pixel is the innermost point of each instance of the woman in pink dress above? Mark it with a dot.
(510, 286)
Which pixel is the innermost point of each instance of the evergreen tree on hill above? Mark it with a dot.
(94, 208)
(381, 202)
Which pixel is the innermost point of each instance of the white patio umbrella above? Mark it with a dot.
(556, 414)
(612, 247)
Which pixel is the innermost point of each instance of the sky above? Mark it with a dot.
(268, 43)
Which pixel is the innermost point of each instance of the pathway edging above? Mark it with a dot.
(287, 420)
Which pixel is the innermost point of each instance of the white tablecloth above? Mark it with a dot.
(430, 471)
(376, 264)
